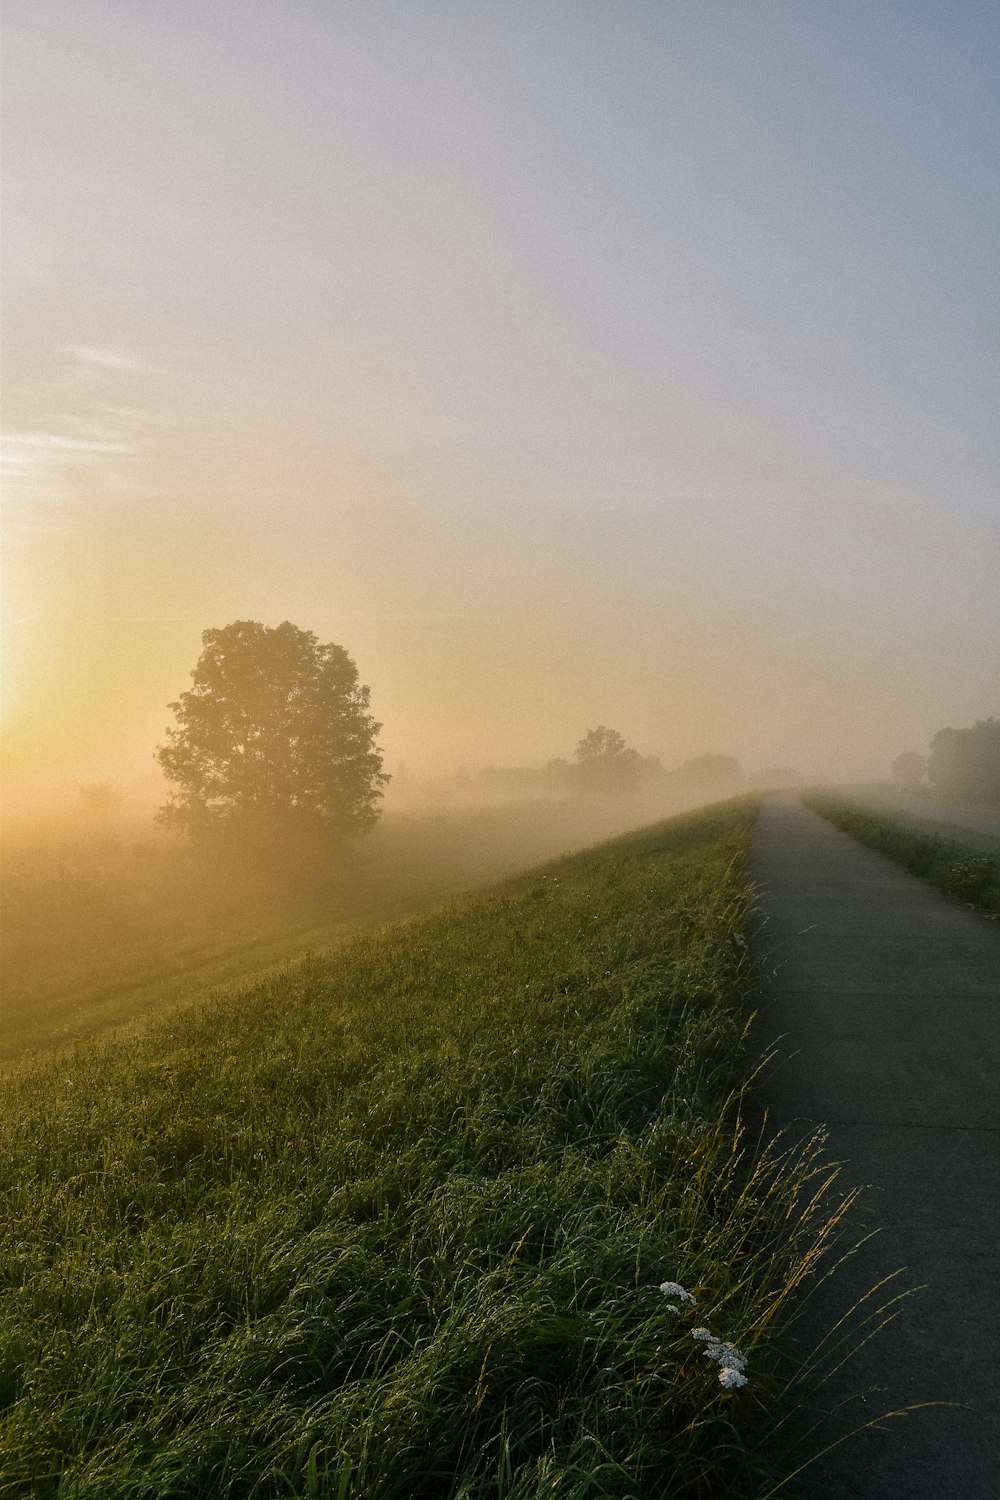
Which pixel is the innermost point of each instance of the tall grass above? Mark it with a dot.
(948, 863)
(393, 1224)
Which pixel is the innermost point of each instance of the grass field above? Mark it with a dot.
(99, 932)
(948, 863)
(394, 1222)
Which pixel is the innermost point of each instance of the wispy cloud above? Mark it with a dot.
(60, 443)
(108, 359)
(27, 457)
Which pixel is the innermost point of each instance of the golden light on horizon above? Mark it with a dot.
(551, 412)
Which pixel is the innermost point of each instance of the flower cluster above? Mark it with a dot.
(732, 1361)
(674, 1289)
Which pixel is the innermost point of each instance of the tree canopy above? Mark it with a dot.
(605, 764)
(966, 762)
(275, 731)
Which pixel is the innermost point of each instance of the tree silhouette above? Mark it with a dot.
(604, 763)
(274, 734)
(966, 762)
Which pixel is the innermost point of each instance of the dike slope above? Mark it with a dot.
(396, 1223)
(886, 997)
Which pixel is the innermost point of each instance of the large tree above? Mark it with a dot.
(274, 733)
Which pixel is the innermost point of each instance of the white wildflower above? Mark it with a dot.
(726, 1354)
(674, 1289)
(732, 1360)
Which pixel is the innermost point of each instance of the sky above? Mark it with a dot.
(568, 363)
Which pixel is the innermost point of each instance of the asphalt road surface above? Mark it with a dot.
(887, 997)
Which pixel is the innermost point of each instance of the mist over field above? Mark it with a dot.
(567, 366)
(610, 397)
(460, 459)
(109, 918)
(560, 370)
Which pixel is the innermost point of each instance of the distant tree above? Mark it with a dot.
(276, 734)
(558, 774)
(942, 761)
(605, 765)
(966, 762)
(651, 769)
(909, 769)
(709, 776)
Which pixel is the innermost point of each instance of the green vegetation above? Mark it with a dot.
(947, 863)
(102, 931)
(393, 1223)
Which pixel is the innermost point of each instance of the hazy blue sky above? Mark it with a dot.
(568, 363)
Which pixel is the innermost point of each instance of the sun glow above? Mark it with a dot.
(499, 436)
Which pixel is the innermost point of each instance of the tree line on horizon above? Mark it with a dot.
(704, 777)
(276, 732)
(962, 763)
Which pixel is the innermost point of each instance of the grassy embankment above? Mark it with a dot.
(101, 930)
(393, 1223)
(947, 863)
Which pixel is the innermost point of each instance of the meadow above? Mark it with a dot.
(396, 1222)
(108, 924)
(955, 865)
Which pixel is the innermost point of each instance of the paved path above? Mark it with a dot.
(888, 997)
